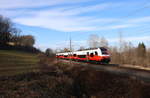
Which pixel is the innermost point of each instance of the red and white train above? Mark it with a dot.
(100, 55)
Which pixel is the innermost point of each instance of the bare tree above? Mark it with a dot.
(127, 53)
(93, 41)
(65, 50)
(7, 31)
(81, 48)
(16, 36)
(103, 42)
(49, 52)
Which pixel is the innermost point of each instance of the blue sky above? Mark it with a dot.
(51, 22)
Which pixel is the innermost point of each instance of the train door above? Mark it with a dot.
(87, 56)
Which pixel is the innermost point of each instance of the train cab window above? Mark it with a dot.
(91, 55)
(104, 51)
(96, 53)
(82, 56)
(87, 53)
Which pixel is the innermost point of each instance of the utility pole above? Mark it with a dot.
(120, 41)
(70, 45)
(120, 46)
(70, 51)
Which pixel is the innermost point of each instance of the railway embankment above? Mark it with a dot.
(141, 73)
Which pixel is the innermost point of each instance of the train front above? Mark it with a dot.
(104, 55)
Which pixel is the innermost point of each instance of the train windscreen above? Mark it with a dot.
(104, 51)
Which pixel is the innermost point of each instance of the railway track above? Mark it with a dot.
(140, 74)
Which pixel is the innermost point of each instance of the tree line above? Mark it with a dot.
(11, 37)
(125, 53)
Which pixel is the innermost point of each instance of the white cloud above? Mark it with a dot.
(121, 26)
(68, 24)
(140, 20)
(81, 10)
(142, 38)
(6, 4)
(131, 39)
(61, 18)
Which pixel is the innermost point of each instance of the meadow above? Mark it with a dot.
(16, 62)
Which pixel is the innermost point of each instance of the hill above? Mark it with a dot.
(15, 62)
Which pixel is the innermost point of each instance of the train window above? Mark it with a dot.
(91, 55)
(65, 56)
(96, 53)
(82, 56)
(87, 53)
(74, 55)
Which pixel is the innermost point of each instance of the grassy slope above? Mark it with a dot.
(16, 62)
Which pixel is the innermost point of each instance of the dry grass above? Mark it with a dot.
(36, 85)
